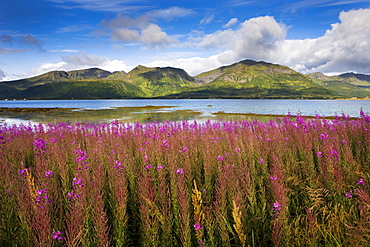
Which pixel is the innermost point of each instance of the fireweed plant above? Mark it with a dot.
(289, 182)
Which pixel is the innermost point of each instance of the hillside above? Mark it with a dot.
(245, 79)
(58, 76)
(251, 79)
(346, 85)
(159, 81)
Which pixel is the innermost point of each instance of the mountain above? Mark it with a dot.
(245, 79)
(356, 77)
(77, 84)
(251, 79)
(116, 75)
(346, 85)
(57, 76)
(159, 81)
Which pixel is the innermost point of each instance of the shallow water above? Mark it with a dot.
(175, 109)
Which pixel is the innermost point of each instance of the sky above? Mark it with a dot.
(39, 36)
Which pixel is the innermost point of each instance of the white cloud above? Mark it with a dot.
(343, 48)
(256, 38)
(170, 13)
(140, 30)
(207, 19)
(154, 36)
(125, 35)
(230, 23)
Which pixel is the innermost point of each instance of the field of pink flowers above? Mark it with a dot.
(289, 182)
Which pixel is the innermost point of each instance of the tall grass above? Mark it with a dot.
(288, 182)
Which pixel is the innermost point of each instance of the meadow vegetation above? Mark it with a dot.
(287, 182)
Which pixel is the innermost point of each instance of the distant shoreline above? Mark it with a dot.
(154, 98)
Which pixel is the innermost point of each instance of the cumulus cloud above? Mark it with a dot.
(140, 30)
(256, 38)
(230, 23)
(343, 48)
(153, 35)
(82, 61)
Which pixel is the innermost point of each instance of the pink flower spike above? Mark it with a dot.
(197, 226)
(49, 174)
(180, 170)
(220, 158)
(361, 181)
(147, 167)
(276, 206)
(273, 177)
(349, 194)
(262, 161)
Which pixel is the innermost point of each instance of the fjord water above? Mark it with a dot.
(209, 106)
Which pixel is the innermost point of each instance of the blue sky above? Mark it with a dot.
(310, 35)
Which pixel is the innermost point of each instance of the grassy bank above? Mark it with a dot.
(289, 182)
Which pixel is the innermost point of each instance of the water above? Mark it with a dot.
(208, 106)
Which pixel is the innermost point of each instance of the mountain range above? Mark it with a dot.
(245, 79)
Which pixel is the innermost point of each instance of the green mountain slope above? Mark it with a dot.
(251, 79)
(83, 89)
(159, 81)
(57, 76)
(346, 85)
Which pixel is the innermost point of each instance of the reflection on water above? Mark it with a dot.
(126, 114)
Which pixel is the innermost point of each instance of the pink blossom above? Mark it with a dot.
(276, 206)
(180, 170)
(197, 226)
(349, 194)
(49, 174)
(361, 181)
(147, 167)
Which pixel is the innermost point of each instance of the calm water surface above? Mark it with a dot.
(209, 106)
